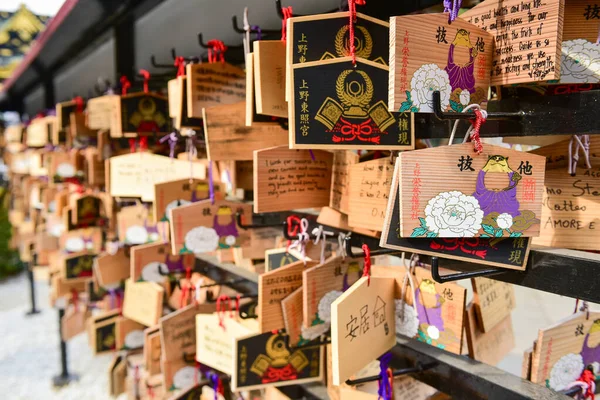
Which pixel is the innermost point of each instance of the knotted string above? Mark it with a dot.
(287, 14)
(125, 85)
(581, 142)
(352, 8)
(385, 388)
(132, 145)
(146, 75)
(452, 7)
(258, 31)
(293, 223)
(408, 281)
(321, 236)
(303, 238)
(191, 150)
(143, 143)
(78, 103)
(473, 131)
(180, 65)
(367, 267)
(216, 51)
(74, 298)
(342, 245)
(221, 312)
(171, 139)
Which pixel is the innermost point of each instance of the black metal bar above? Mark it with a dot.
(399, 372)
(463, 378)
(124, 35)
(238, 217)
(30, 277)
(64, 378)
(377, 252)
(440, 114)
(435, 273)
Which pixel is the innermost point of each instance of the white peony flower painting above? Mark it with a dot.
(426, 80)
(324, 308)
(580, 62)
(566, 371)
(201, 240)
(136, 234)
(450, 214)
(407, 321)
(134, 339)
(151, 272)
(185, 377)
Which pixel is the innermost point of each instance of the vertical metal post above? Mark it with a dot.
(30, 266)
(64, 378)
(124, 36)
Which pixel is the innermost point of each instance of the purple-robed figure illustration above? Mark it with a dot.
(176, 265)
(229, 228)
(500, 200)
(462, 76)
(433, 315)
(591, 355)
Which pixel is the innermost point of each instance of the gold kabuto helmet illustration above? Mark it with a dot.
(355, 90)
(362, 41)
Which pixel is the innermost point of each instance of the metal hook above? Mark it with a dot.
(157, 65)
(264, 32)
(440, 114)
(405, 371)
(206, 46)
(186, 59)
(238, 218)
(377, 252)
(278, 7)
(435, 273)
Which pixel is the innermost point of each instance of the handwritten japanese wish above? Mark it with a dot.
(451, 191)
(287, 179)
(428, 54)
(143, 302)
(492, 346)
(527, 36)
(362, 325)
(493, 302)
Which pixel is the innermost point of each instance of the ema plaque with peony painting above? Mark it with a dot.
(567, 352)
(453, 192)
(205, 227)
(427, 54)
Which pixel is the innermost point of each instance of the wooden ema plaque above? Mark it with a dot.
(214, 343)
(39, 132)
(14, 133)
(269, 77)
(143, 302)
(85, 239)
(273, 287)
(291, 308)
(130, 115)
(368, 192)
(493, 301)
(203, 227)
(451, 192)
(103, 332)
(177, 193)
(326, 36)
(323, 284)
(227, 137)
(213, 84)
(337, 105)
(286, 179)
(563, 350)
(178, 342)
(528, 36)
(134, 175)
(63, 114)
(267, 359)
(492, 346)
(111, 269)
(340, 196)
(580, 54)
(277, 258)
(181, 119)
(570, 210)
(130, 334)
(500, 252)
(362, 325)
(78, 266)
(87, 210)
(428, 54)
(152, 350)
(149, 260)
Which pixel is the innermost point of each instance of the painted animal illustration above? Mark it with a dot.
(461, 76)
(503, 200)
